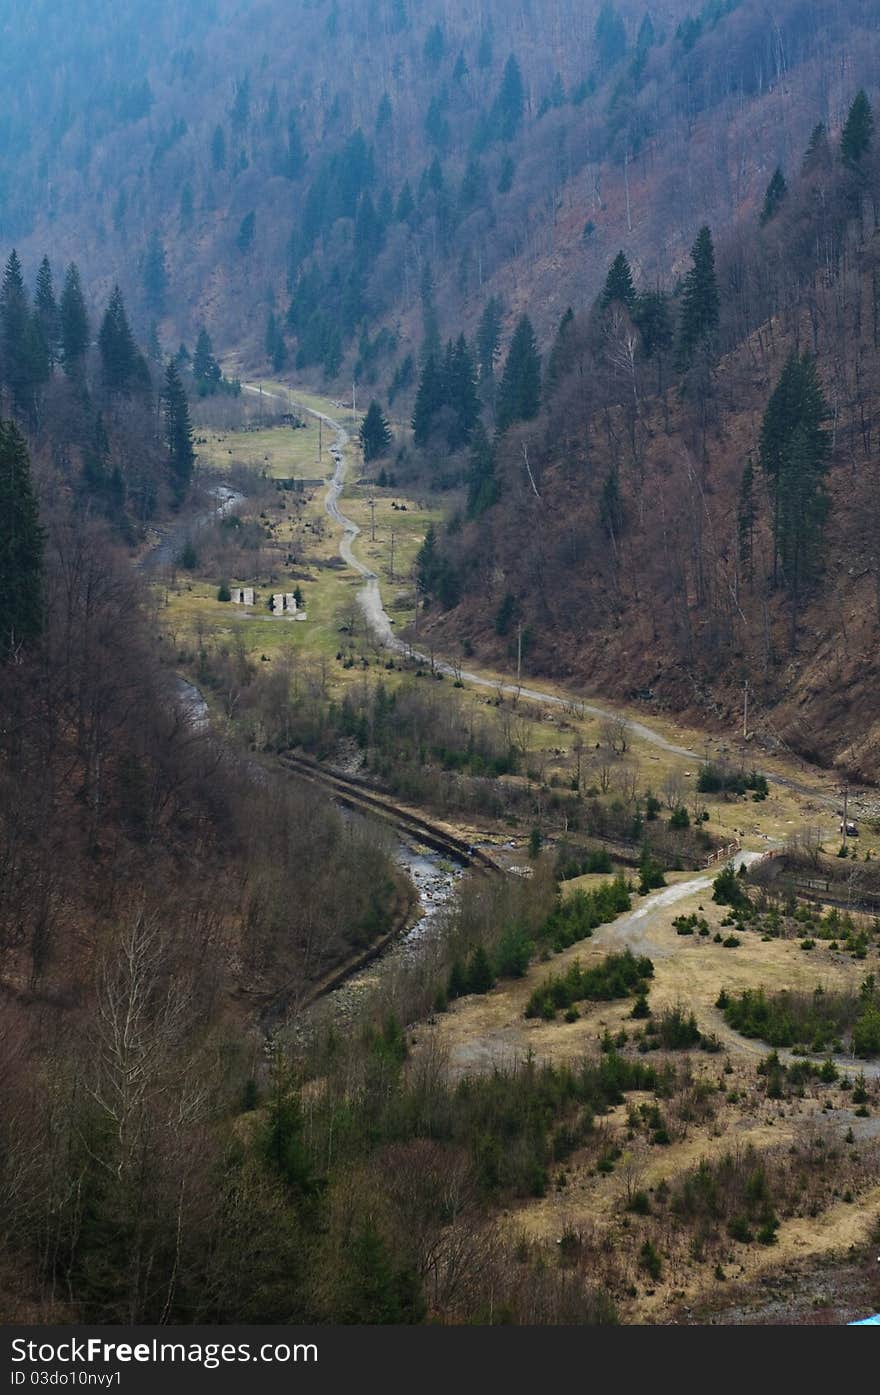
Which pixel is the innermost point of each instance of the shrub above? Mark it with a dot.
(223, 592)
(650, 1260)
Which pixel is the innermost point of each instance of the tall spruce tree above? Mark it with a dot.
(519, 393)
(459, 393)
(510, 102)
(206, 370)
(794, 450)
(429, 400)
(559, 354)
(375, 433)
(855, 140)
(619, 285)
(481, 480)
(155, 275)
(489, 337)
(46, 310)
(21, 547)
(700, 302)
(17, 347)
(119, 354)
(75, 331)
(776, 192)
(178, 433)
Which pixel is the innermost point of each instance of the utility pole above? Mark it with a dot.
(372, 519)
(261, 404)
(392, 556)
(518, 652)
(354, 402)
(320, 438)
(845, 810)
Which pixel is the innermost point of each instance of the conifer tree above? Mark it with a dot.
(429, 399)
(206, 370)
(489, 337)
(46, 309)
(610, 36)
(155, 275)
(178, 433)
(21, 547)
(375, 433)
(276, 348)
(818, 152)
(406, 204)
(75, 331)
(458, 390)
(794, 449)
(481, 480)
(700, 304)
(556, 363)
(619, 285)
(510, 101)
(855, 141)
(519, 393)
(123, 368)
(776, 192)
(17, 348)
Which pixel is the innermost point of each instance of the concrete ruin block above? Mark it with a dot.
(278, 604)
(291, 602)
(247, 595)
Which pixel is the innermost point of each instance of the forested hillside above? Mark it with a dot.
(351, 169)
(684, 500)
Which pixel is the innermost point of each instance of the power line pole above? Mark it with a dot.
(320, 438)
(392, 556)
(372, 520)
(518, 651)
(845, 811)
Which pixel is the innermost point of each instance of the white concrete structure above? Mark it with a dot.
(247, 595)
(290, 601)
(278, 604)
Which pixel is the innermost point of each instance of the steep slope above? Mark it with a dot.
(215, 156)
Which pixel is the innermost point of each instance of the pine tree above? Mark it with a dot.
(510, 101)
(218, 149)
(155, 275)
(429, 399)
(776, 192)
(458, 391)
(122, 366)
(406, 204)
(247, 228)
(178, 433)
(21, 547)
(489, 337)
(375, 433)
(75, 331)
(276, 348)
(619, 285)
(654, 323)
(610, 36)
(479, 972)
(818, 152)
(481, 479)
(855, 141)
(794, 449)
(519, 393)
(16, 337)
(558, 359)
(611, 511)
(46, 308)
(700, 304)
(206, 370)
(295, 161)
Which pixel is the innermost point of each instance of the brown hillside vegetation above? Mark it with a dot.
(671, 601)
